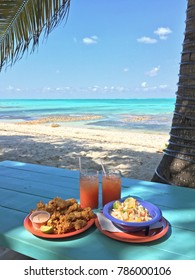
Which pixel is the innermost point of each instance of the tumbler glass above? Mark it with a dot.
(111, 186)
(89, 188)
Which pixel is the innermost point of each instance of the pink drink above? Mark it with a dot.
(89, 189)
(111, 187)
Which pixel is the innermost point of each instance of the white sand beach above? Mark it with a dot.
(135, 154)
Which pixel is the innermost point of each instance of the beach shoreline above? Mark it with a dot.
(135, 153)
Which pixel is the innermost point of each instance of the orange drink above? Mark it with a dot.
(89, 189)
(111, 186)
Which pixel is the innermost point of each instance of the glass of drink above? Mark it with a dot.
(111, 186)
(89, 188)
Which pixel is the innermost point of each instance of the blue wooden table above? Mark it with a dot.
(23, 185)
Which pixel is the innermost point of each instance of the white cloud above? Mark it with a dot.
(144, 84)
(162, 32)
(144, 87)
(153, 72)
(10, 87)
(163, 86)
(95, 88)
(90, 40)
(46, 89)
(120, 88)
(108, 89)
(147, 40)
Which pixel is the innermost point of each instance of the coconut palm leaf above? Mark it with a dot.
(22, 23)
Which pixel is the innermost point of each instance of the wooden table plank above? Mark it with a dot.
(36, 176)
(39, 188)
(38, 168)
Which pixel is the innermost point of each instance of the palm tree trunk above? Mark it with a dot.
(177, 166)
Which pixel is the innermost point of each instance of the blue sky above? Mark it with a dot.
(106, 49)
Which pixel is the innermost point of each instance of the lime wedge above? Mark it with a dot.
(116, 204)
(47, 229)
(131, 202)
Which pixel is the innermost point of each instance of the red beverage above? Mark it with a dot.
(111, 187)
(89, 189)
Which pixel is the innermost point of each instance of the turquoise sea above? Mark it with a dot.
(156, 114)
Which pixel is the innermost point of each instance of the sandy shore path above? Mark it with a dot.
(135, 154)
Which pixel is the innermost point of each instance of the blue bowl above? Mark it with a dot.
(153, 210)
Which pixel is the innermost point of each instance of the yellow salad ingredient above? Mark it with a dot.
(130, 210)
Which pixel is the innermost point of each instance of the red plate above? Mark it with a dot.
(28, 226)
(138, 236)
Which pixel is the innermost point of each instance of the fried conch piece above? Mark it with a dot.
(85, 214)
(40, 206)
(78, 224)
(66, 215)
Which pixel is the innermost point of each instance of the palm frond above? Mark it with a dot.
(22, 23)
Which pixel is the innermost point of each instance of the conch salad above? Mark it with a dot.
(130, 211)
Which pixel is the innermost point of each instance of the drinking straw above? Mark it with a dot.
(103, 167)
(80, 164)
